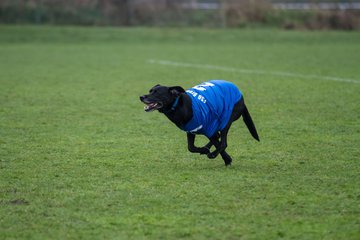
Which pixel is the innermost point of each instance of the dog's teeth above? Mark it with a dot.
(150, 106)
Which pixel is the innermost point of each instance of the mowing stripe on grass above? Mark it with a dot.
(249, 71)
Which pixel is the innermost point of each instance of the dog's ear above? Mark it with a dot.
(176, 90)
(152, 89)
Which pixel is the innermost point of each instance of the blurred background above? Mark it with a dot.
(287, 14)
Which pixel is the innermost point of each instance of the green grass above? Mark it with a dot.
(80, 159)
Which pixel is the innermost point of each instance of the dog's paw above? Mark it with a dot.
(228, 164)
(204, 150)
(211, 155)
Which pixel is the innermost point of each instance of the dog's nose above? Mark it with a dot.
(142, 98)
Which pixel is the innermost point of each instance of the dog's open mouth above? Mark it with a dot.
(152, 106)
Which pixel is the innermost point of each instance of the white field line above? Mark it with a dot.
(248, 71)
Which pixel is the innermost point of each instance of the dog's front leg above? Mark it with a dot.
(210, 143)
(193, 149)
(225, 156)
(220, 147)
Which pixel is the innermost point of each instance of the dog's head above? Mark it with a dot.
(160, 97)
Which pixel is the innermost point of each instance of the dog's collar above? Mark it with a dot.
(175, 104)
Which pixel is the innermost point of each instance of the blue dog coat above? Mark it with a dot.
(212, 104)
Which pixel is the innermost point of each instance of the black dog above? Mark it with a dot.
(208, 109)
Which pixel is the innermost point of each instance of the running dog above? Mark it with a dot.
(208, 109)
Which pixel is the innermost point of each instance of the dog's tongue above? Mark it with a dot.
(150, 107)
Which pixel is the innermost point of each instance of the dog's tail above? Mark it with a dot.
(249, 123)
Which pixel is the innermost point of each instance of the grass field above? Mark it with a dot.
(80, 159)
